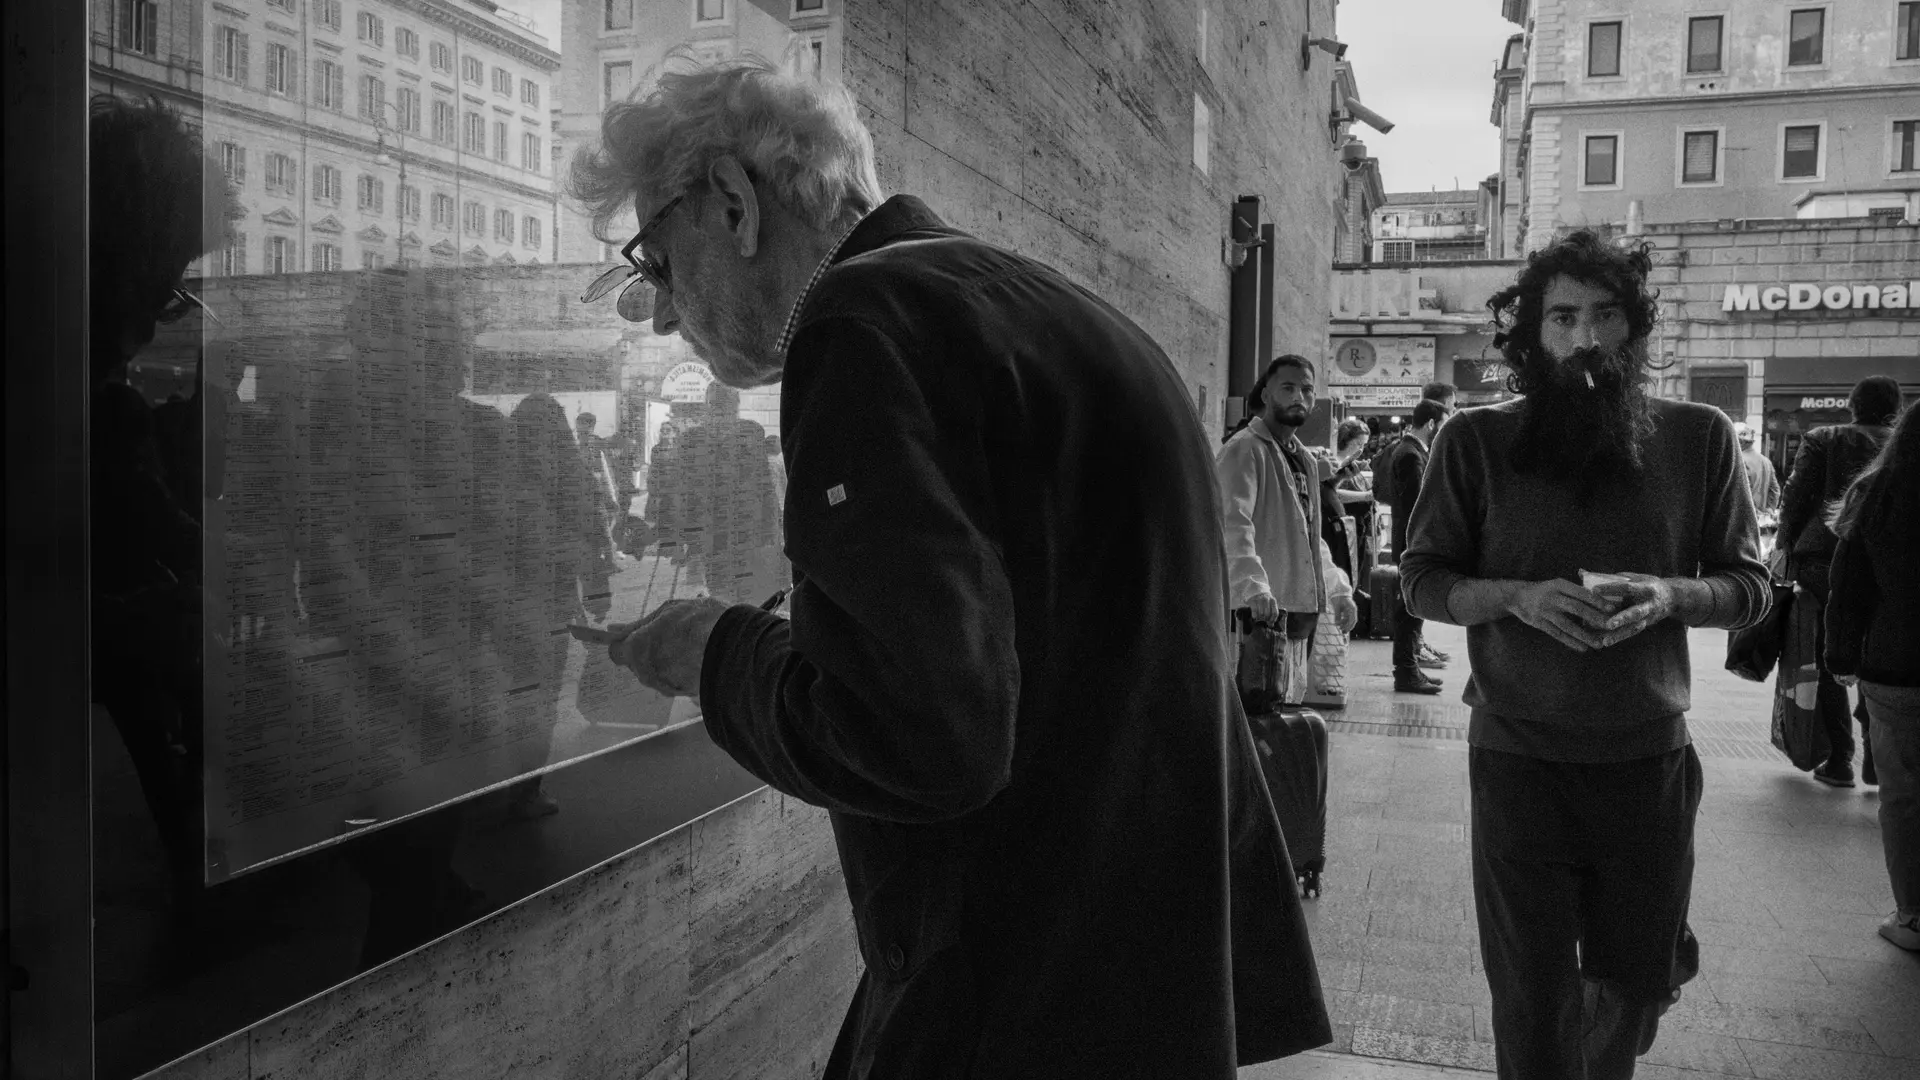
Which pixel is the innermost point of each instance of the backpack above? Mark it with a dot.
(1383, 475)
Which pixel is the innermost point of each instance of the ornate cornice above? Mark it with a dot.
(445, 14)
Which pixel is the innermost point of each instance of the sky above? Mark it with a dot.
(1427, 65)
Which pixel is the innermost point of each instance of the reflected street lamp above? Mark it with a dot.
(380, 158)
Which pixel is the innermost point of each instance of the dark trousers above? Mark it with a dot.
(1830, 698)
(1581, 878)
(1406, 635)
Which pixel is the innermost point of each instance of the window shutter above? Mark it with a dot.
(240, 74)
(273, 67)
(220, 51)
(337, 85)
(294, 74)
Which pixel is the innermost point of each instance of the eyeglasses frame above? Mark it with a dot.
(643, 267)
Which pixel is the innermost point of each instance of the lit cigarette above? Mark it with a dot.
(1589, 376)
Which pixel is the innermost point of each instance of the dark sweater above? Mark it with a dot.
(1689, 516)
(1873, 614)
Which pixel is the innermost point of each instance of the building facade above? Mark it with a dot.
(1772, 145)
(353, 133)
(1433, 226)
(613, 47)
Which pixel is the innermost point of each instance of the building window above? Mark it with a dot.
(617, 81)
(530, 231)
(472, 70)
(442, 210)
(1906, 33)
(1700, 157)
(1603, 49)
(326, 258)
(406, 199)
(373, 193)
(282, 256)
(372, 260)
(233, 162)
(476, 134)
(1202, 135)
(503, 225)
(140, 26)
(327, 13)
(1703, 44)
(372, 28)
(500, 149)
(530, 151)
(503, 82)
(619, 14)
(709, 11)
(329, 85)
(326, 184)
(233, 258)
(443, 122)
(807, 56)
(440, 55)
(1602, 165)
(475, 219)
(283, 65)
(408, 101)
(230, 54)
(1806, 37)
(1800, 151)
(1396, 251)
(373, 97)
(1906, 145)
(529, 93)
(282, 173)
(815, 7)
(406, 43)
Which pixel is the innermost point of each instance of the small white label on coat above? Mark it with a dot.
(836, 494)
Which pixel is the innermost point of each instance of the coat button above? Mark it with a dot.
(896, 957)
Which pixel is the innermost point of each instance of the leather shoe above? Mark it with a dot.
(1415, 683)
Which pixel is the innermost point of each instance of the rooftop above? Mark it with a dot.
(1417, 198)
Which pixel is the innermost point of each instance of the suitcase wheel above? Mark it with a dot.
(1310, 884)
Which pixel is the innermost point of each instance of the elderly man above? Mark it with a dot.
(1003, 675)
(1584, 784)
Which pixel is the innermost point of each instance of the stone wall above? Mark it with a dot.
(1065, 130)
(724, 949)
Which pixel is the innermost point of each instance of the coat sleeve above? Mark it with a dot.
(893, 692)
(1237, 470)
(1849, 605)
(1801, 499)
(1730, 535)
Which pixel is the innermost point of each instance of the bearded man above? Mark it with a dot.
(1584, 783)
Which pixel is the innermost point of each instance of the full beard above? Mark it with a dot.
(1587, 426)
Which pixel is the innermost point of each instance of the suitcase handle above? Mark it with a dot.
(1243, 616)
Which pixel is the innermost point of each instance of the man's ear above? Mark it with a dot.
(739, 203)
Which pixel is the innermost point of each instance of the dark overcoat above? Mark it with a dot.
(1005, 676)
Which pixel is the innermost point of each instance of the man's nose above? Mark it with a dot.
(665, 319)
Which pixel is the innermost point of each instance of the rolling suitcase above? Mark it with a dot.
(1383, 587)
(1292, 743)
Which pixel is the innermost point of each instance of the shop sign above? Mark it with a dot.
(1823, 402)
(1375, 397)
(1381, 361)
(687, 383)
(1369, 293)
(1802, 296)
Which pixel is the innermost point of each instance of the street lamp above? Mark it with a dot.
(380, 158)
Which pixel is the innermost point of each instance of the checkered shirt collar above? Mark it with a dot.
(793, 317)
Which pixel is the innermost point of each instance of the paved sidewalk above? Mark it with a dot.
(1789, 888)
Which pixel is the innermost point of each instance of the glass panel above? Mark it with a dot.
(1603, 48)
(1703, 44)
(619, 14)
(1702, 150)
(1907, 36)
(1906, 133)
(337, 709)
(1601, 151)
(1801, 154)
(1806, 37)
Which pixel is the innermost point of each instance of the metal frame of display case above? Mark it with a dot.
(48, 866)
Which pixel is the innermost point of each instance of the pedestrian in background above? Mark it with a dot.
(1408, 465)
(1344, 498)
(1873, 638)
(1583, 782)
(1763, 483)
(1829, 458)
(1060, 856)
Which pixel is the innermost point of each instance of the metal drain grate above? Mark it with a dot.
(1400, 731)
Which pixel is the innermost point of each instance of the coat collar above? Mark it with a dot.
(889, 221)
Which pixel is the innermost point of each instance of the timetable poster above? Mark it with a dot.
(391, 566)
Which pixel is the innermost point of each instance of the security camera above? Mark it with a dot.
(1367, 116)
(1328, 45)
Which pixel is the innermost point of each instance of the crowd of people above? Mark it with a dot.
(1014, 553)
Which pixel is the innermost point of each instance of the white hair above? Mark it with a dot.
(801, 140)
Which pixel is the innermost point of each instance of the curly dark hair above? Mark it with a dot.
(1586, 257)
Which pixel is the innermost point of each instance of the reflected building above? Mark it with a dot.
(356, 133)
(613, 46)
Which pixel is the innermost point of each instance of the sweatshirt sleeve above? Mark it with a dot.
(1849, 605)
(1443, 532)
(893, 691)
(1235, 468)
(1730, 535)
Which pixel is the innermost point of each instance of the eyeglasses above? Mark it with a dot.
(641, 265)
(180, 302)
